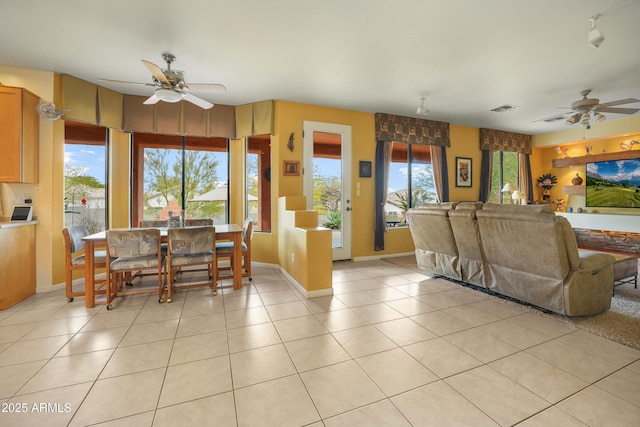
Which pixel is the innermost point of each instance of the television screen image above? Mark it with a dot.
(613, 184)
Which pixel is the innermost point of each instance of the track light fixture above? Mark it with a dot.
(595, 37)
(422, 110)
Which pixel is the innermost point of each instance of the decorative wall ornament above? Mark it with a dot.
(290, 143)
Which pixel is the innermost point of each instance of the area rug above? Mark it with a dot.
(621, 323)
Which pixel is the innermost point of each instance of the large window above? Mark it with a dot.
(85, 176)
(174, 173)
(504, 170)
(259, 182)
(410, 180)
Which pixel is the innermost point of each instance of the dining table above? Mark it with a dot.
(224, 232)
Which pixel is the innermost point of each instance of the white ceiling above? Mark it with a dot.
(464, 56)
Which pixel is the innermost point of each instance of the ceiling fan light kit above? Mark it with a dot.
(422, 110)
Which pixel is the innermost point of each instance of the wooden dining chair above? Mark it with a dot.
(75, 258)
(187, 248)
(198, 222)
(129, 251)
(226, 250)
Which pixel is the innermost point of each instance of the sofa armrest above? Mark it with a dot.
(594, 261)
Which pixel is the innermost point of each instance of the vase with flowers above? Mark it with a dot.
(546, 182)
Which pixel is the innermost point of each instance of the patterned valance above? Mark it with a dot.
(390, 127)
(499, 140)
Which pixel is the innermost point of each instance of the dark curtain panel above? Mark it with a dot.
(382, 162)
(485, 175)
(440, 172)
(526, 181)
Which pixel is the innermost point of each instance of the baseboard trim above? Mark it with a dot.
(381, 256)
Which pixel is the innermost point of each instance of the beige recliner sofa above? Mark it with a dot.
(524, 252)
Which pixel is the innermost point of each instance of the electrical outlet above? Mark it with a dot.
(293, 257)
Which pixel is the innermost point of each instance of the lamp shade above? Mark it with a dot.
(508, 187)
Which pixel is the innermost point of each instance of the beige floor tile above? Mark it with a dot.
(28, 315)
(288, 310)
(363, 341)
(355, 299)
(381, 413)
(159, 313)
(53, 327)
(278, 297)
(63, 401)
(15, 376)
(68, 370)
(277, 284)
(13, 333)
(32, 350)
(218, 410)
(440, 323)
(254, 336)
(195, 380)
(338, 320)
(547, 381)
(442, 358)
(200, 307)
(139, 420)
(584, 365)
(375, 313)
(279, 402)
(552, 417)
(251, 316)
(439, 300)
(601, 347)
(514, 334)
(85, 342)
(111, 319)
(201, 324)
(323, 304)
(624, 383)
(501, 308)
(466, 295)
(127, 395)
(316, 352)
(496, 395)
(544, 325)
(599, 408)
(437, 404)
(387, 293)
(395, 371)
(404, 331)
(150, 332)
(481, 345)
(472, 315)
(242, 302)
(409, 306)
(138, 358)
(298, 328)
(198, 347)
(260, 365)
(635, 367)
(340, 388)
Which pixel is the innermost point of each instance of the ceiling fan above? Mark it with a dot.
(171, 86)
(586, 109)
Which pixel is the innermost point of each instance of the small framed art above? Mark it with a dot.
(365, 169)
(463, 171)
(291, 168)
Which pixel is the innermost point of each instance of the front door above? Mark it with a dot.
(327, 180)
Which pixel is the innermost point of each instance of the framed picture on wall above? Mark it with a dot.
(291, 168)
(365, 169)
(463, 172)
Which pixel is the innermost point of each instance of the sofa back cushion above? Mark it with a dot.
(431, 230)
(544, 208)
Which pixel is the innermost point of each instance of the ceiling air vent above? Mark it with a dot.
(504, 108)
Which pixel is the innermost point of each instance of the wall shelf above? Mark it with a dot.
(582, 160)
(577, 190)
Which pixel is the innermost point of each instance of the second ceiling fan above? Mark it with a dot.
(171, 85)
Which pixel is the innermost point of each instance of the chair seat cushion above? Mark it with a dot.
(223, 248)
(99, 257)
(125, 263)
(187, 259)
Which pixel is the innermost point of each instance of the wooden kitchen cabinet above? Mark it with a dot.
(17, 263)
(19, 135)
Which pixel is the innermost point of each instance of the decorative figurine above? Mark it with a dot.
(577, 180)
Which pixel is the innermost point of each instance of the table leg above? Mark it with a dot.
(89, 275)
(237, 261)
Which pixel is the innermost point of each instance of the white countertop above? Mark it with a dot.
(8, 224)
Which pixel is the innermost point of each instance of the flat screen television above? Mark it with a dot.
(613, 184)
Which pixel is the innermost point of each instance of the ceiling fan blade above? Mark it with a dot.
(153, 99)
(125, 83)
(551, 119)
(197, 101)
(618, 110)
(618, 102)
(206, 88)
(156, 71)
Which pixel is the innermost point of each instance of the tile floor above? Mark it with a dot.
(390, 348)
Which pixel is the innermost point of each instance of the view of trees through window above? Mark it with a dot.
(84, 186)
(410, 181)
(504, 170)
